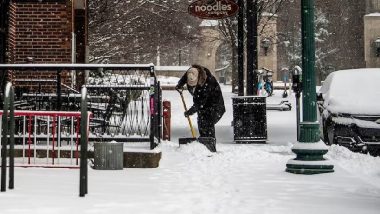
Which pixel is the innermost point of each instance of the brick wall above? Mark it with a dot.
(40, 29)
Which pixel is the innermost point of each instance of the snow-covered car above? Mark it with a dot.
(349, 109)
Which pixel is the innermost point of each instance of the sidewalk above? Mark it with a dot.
(241, 179)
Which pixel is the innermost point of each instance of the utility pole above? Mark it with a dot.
(241, 48)
(250, 125)
(252, 54)
(310, 149)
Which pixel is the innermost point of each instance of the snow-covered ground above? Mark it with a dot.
(238, 179)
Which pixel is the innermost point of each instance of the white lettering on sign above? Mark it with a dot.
(218, 7)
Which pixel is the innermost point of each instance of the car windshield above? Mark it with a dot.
(353, 91)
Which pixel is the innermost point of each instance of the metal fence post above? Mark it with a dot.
(12, 139)
(83, 177)
(4, 141)
(159, 112)
(152, 104)
(59, 90)
(8, 111)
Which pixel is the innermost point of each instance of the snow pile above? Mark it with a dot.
(194, 149)
(362, 165)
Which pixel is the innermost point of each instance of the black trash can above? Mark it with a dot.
(249, 119)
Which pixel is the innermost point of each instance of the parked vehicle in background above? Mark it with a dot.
(349, 109)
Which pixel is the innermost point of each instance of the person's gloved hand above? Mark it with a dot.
(191, 111)
(179, 88)
(187, 114)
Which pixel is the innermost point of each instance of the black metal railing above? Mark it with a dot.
(124, 98)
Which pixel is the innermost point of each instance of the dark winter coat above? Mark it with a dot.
(207, 96)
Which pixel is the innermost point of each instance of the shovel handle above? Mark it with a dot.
(188, 117)
(179, 90)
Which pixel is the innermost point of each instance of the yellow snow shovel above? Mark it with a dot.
(188, 117)
(209, 142)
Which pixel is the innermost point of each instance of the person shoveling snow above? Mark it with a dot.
(208, 103)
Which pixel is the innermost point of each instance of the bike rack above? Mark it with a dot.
(8, 138)
(7, 133)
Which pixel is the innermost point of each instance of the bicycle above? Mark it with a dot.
(265, 85)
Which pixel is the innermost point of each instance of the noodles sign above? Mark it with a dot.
(213, 9)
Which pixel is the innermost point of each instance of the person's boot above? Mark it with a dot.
(209, 142)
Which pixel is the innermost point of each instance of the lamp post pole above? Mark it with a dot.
(252, 55)
(310, 149)
(241, 48)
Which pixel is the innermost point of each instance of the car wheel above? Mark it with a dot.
(374, 151)
(324, 136)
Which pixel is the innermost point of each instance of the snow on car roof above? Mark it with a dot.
(355, 91)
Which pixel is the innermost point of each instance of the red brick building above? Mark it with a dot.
(45, 31)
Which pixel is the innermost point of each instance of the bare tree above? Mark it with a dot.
(131, 31)
(339, 35)
(293, 44)
(266, 11)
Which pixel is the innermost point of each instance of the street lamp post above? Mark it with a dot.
(241, 48)
(310, 149)
(265, 44)
(252, 56)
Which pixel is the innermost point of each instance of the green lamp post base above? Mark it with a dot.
(309, 159)
(308, 171)
(308, 168)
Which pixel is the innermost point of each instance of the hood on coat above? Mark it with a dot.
(202, 75)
